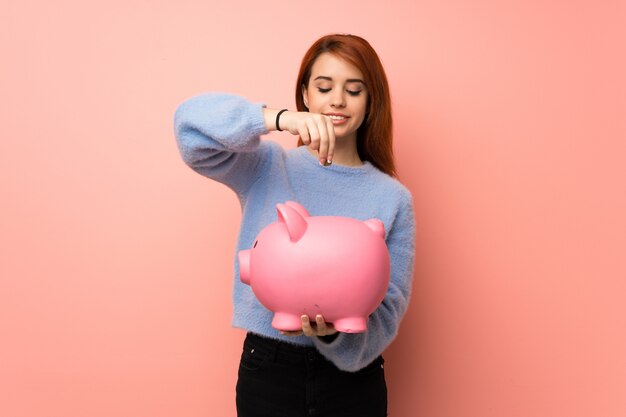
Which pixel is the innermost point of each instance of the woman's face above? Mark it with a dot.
(336, 89)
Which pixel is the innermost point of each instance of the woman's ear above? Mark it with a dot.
(305, 96)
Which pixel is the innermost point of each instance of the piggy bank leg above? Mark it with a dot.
(287, 322)
(351, 324)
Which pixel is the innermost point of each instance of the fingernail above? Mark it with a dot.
(328, 162)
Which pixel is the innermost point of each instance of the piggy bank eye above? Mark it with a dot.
(255, 242)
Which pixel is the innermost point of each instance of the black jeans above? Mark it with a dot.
(278, 379)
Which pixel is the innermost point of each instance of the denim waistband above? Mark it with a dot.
(284, 352)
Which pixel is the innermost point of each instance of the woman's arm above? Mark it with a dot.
(352, 352)
(218, 136)
(315, 130)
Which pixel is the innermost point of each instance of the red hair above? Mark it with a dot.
(374, 136)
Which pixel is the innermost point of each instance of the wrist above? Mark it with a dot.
(278, 119)
(272, 119)
(269, 115)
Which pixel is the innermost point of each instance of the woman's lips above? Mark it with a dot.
(338, 119)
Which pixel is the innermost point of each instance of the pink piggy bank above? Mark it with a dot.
(334, 266)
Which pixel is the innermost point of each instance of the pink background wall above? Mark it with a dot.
(116, 259)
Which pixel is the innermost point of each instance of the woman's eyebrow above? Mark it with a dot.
(349, 80)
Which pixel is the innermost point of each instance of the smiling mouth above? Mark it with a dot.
(337, 117)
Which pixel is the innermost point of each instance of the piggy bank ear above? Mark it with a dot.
(299, 208)
(296, 225)
(377, 226)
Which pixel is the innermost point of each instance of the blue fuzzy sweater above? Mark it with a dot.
(219, 137)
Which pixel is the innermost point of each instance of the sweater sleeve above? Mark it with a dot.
(218, 136)
(351, 352)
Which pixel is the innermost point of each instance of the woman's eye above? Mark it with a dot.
(323, 90)
(354, 93)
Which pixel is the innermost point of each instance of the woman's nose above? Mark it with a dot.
(338, 99)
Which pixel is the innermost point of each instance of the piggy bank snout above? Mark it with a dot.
(244, 266)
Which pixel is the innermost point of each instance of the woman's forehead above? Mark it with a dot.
(330, 66)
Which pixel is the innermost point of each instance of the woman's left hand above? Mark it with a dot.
(319, 328)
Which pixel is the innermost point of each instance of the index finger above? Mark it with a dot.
(324, 140)
(331, 140)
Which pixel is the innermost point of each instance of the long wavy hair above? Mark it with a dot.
(374, 136)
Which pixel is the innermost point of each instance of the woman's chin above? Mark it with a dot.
(343, 136)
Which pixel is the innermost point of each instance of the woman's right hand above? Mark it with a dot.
(316, 130)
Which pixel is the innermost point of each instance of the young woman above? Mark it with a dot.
(343, 166)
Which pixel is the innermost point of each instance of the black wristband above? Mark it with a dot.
(277, 119)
